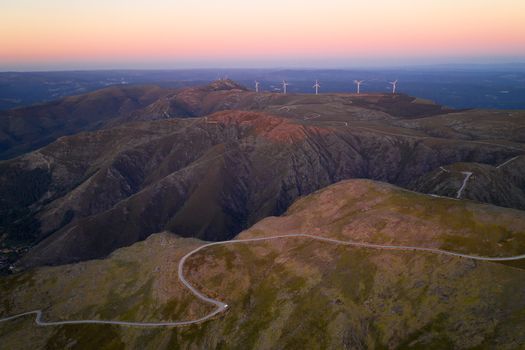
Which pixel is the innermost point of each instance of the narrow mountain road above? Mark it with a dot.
(311, 116)
(443, 169)
(221, 306)
(467, 174)
(506, 162)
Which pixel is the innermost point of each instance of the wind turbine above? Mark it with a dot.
(285, 84)
(393, 83)
(358, 83)
(316, 87)
(257, 86)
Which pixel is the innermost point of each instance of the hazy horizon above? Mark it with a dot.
(511, 64)
(235, 34)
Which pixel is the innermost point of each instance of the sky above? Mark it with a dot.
(95, 34)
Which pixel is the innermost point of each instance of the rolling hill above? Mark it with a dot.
(297, 292)
(28, 128)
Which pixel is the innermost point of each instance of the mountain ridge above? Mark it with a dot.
(214, 175)
(27, 128)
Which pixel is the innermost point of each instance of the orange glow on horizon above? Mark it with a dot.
(232, 29)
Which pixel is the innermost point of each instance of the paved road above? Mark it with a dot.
(221, 306)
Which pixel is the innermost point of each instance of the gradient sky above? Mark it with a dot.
(67, 34)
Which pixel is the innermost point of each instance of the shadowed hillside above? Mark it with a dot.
(212, 175)
(25, 129)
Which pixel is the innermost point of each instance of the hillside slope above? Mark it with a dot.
(205, 177)
(28, 128)
(210, 161)
(298, 293)
(503, 184)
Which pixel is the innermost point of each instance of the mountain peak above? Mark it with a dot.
(225, 84)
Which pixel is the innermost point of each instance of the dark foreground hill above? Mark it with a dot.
(297, 293)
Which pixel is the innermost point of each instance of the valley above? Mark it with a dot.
(143, 172)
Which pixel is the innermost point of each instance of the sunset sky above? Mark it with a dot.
(73, 34)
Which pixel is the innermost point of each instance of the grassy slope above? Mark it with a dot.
(136, 283)
(368, 211)
(298, 293)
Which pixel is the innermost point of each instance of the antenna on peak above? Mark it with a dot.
(257, 86)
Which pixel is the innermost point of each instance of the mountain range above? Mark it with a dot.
(334, 221)
(211, 161)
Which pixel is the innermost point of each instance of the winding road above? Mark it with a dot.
(221, 306)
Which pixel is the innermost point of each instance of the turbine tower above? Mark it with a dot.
(358, 83)
(316, 87)
(257, 86)
(285, 84)
(393, 83)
